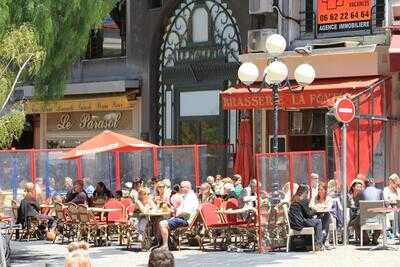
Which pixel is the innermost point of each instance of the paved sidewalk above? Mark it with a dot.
(38, 253)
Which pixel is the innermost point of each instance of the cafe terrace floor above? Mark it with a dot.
(46, 254)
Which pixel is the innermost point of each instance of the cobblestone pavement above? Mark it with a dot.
(41, 254)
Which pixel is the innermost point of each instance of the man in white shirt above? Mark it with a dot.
(184, 213)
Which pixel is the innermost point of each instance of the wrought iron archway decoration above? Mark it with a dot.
(180, 55)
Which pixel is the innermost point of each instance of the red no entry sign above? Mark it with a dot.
(345, 110)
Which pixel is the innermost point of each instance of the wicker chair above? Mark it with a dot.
(90, 227)
(131, 232)
(73, 214)
(64, 223)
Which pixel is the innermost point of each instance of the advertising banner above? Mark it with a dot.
(343, 15)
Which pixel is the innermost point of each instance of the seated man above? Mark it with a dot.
(184, 214)
(29, 208)
(371, 193)
(79, 196)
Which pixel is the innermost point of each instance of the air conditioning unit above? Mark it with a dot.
(260, 6)
(256, 39)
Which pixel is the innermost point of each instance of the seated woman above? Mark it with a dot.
(144, 204)
(353, 202)
(323, 202)
(29, 208)
(206, 194)
(337, 207)
(300, 215)
(101, 191)
(161, 197)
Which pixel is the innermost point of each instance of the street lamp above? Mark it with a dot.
(275, 78)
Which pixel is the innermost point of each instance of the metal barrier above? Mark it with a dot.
(292, 168)
(47, 169)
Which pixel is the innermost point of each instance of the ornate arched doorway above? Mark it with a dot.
(198, 58)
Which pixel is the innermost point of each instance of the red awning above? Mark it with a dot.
(317, 95)
(394, 52)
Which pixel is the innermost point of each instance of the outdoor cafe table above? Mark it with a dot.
(383, 211)
(154, 218)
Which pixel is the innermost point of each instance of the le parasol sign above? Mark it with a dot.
(344, 110)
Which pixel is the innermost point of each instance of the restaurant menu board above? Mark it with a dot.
(343, 15)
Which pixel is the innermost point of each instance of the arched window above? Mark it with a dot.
(200, 25)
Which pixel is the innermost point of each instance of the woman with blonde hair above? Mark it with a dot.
(162, 195)
(145, 204)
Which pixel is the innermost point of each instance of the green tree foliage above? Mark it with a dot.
(63, 28)
(41, 39)
(20, 56)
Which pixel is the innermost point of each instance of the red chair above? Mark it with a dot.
(231, 219)
(213, 223)
(218, 202)
(126, 202)
(116, 220)
(115, 216)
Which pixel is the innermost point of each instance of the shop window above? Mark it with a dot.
(168, 114)
(307, 122)
(155, 4)
(200, 25)
(309, 14)
(110, 39)
(199, 103)
(380, 12)
(281, 143)
(264, 21)
(208, 130)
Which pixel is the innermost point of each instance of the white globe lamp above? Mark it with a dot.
(275, 73)
(275, 45)
(248, 73)
(304, 74)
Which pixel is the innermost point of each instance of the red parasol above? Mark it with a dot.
(108, 141)
(244, 152)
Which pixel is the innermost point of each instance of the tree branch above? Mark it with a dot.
(15, 82)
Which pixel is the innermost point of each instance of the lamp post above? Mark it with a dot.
(275, 78)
